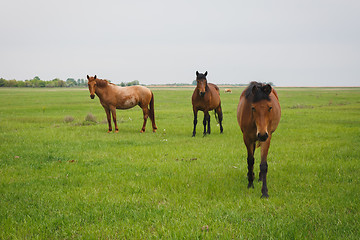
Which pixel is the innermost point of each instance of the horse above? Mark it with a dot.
(228, 90)
(258, 115)
(206, 97)
(114, 97)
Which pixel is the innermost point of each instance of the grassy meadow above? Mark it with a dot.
(62, 177)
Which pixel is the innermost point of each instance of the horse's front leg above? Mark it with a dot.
(113, 111)
(108, 116)
(146, 115)
(250, 146)
(264, 167)
(195, 121)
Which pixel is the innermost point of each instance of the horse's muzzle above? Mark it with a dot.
(92, 96)
(262, 137)
(202, 94)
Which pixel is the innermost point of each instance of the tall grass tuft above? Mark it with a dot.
(68, 119)
(90, 118)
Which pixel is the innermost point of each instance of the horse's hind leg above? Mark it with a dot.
(205, 121)
(208, 122)
(146, 115)
(220, 118)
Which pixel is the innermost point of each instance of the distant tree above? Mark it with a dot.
(194, 82)
(70, 82)
(135, 82)
(20, 83)
(12, 83)
(27, 83)
(61, 83)
(2, 82)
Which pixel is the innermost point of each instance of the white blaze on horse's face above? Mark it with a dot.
(261, 112)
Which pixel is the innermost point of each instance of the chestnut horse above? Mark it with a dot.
(206, 97)
(113, 97)
(258, 115)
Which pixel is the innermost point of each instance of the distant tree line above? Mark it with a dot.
(36, 82)
(124, 84)
(236, 84)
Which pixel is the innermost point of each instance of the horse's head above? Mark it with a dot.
(262, 110)
(92, 85)
(201, 83)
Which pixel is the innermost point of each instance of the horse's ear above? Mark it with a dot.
(205, 73)
(197, 73)
(95, 77)
(267, 89)
(88, 77)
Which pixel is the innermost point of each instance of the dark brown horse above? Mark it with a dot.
(206, 97)
(258, 115)
(113, 97)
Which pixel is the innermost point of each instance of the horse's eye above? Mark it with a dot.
(270, 109)
(253, 109)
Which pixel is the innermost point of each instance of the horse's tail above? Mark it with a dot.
(216, 116)
(152, 112)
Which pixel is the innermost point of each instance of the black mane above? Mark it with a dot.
(258, 91)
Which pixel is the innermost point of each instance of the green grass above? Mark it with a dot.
(70, 179)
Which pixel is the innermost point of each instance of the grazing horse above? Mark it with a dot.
(258, 115)
(206, 97)
(113, 97)
(228, 90)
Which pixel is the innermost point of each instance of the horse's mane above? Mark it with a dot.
(201, 76)
(258, 91)
(102, 82)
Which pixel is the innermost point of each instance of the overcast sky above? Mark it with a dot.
(289, 43)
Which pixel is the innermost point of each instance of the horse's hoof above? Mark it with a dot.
(116, 131)
(265, 195)
(109, 131)
(250, 185)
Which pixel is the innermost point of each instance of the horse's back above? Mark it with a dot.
(276, 109)
(215, 95)
(130, 96)
(143, 93)
(211, 85)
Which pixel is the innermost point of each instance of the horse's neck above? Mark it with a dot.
(100, 91)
